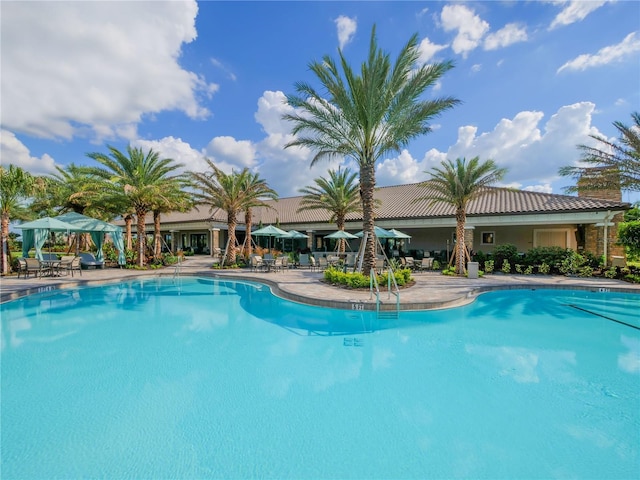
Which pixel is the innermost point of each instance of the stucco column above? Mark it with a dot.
(310, 239)
(215, 240)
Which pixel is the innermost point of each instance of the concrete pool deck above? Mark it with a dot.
(431, 290)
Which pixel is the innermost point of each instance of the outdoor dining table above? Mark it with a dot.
(52, 267)
(269, 263)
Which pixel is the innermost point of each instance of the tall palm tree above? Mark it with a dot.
(16, 186)
(137, 180)
(617, 163)
(225, 191)
(339, 195)
(174, 199)
(257, 190)
(457, 183)
(367, 116)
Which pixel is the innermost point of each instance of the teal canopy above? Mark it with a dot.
(34, 234)
(340, 234)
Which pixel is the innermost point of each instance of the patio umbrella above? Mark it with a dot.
(399, 234)
(36, 232)
(379, 232)
(269, 231)
(293, 235)
(341, 234)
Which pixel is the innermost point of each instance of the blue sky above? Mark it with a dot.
(208, 79)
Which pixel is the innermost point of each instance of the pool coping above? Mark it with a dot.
(431, 290)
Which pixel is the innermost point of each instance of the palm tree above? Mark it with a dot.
(367, 115)
(456, 184)
(257, 190)
(617, 164)
(16, 186)
(339, 195)
(174, 199)
(138, 180)
(225, 191)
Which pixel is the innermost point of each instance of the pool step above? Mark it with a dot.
(388, 314)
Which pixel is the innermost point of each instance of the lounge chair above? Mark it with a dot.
(306, 261)
(410, 263)
(323, 264)
(87, 260)
(278, 264)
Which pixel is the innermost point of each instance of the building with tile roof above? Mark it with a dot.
(499, 216)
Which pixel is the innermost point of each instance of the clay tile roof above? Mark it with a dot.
(403, 201)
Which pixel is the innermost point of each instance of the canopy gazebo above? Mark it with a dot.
(34, 234)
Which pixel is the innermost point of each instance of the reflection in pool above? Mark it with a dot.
(203, 378)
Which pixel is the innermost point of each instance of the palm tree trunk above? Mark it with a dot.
(367, 185)
(157, 244)
(232, 222)
(340, 221)
(5, 254)
(128, 220)
(248, 220)
(461, 250)
(142, 236)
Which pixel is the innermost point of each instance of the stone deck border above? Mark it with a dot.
(432, 290)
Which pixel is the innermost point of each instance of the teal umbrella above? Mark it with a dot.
(269, 231)
(340, 234)
(399, 234)
(379, 232)
(97, 229)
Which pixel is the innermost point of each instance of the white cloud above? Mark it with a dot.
(95, 68)
(471, 28)
(531, 152)
(509, 34)
(228, 152)
(613, 53)
(476, 68)
(14, 152)
(574, 11)
(177, 149)
(428, 50)
(346, 29)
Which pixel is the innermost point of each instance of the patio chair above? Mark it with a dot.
(305, 261)
(71, 264)
(323, 264)
(87, 260)
(410, 263)
(257, 263)
(36, 267)
(425, 264)
(22, 268)
(278, 264)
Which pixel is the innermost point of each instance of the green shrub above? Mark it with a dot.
(436, 265)
(552, 256)
(528, 270)
(506, 266)
(488, 266)
(611, 272)
(507, 252)
(585, 271)
(633, 278)
(451, 270)
(519, 268)
(351, 280)
(544, 268)
(572, 263)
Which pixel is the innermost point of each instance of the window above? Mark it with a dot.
(488, 238)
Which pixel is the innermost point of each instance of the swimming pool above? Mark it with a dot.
(205, 378)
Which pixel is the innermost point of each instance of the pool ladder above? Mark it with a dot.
(178, 268)
(374, 286)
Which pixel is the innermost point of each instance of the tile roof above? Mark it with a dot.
(404, 202)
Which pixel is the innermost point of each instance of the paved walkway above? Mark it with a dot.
(431, 290)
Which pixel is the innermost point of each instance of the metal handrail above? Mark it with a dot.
(373, 280)
(178, 267)
(396, 291)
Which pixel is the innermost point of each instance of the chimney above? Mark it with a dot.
(602, 183)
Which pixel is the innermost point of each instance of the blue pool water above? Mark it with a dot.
(218, 379)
